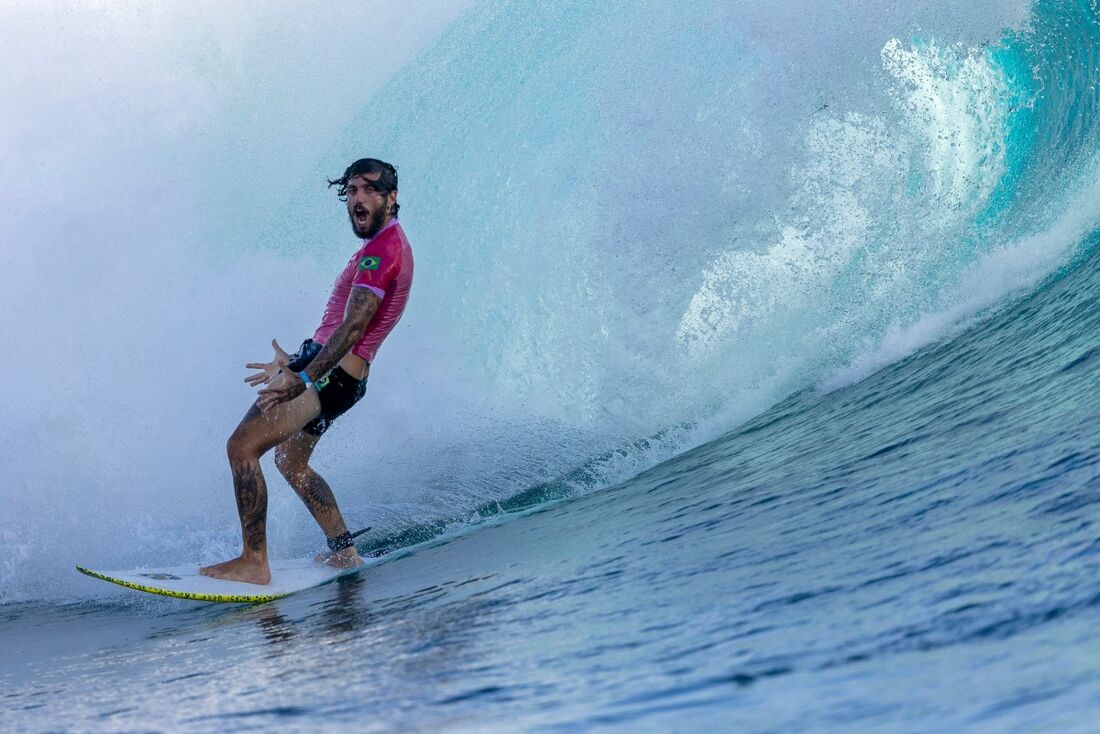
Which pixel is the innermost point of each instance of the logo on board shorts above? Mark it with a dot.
(370, 263)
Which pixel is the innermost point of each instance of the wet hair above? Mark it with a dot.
(387, 178)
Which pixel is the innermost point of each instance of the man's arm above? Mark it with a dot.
(362, 305)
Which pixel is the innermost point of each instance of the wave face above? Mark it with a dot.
(636, 228)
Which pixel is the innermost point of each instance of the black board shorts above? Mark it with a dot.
(337, 390)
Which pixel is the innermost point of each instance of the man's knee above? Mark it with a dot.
(289, 465)
(240, 450)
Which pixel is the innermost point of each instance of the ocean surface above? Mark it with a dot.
(749, 381)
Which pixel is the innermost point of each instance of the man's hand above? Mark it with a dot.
(269, 369)
(283, 386)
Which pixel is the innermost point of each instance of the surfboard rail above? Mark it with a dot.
(287, 577)
(178, 594)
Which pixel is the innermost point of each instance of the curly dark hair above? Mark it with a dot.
(387, 178)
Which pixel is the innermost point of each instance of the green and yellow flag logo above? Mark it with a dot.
(370, 263)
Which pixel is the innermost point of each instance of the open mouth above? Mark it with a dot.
(361, 216)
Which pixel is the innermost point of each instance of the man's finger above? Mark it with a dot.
(268, 402)
(255, 366)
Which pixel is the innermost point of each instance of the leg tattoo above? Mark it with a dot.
(251, 491)
(318, 495)
(319, 499)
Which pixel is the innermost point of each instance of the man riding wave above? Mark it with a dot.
(304, 392)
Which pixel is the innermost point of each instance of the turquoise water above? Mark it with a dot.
(756, 399)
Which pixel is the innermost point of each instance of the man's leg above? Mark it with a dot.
(256, 435)
(292, 458)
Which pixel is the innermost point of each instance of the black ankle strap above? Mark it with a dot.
(340, 542)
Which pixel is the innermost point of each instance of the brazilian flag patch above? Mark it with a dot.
(370, 263)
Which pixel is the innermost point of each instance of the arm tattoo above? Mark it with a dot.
(362, 304)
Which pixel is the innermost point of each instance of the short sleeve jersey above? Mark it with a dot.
(383, 265)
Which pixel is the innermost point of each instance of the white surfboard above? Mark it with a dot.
(184, 582)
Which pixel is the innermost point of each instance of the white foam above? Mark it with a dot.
(133, 134)
(955, 100)
(1007, 271)
(859, 213)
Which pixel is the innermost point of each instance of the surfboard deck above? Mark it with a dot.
(184, 582)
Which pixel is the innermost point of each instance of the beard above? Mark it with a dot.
(374, 223)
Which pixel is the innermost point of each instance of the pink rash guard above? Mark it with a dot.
(384, 264)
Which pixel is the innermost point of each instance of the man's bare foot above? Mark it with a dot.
(346, 558)
(240, 569)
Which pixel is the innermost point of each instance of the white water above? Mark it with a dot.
(141, 135)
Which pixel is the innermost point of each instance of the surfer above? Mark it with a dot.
(304, 393)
